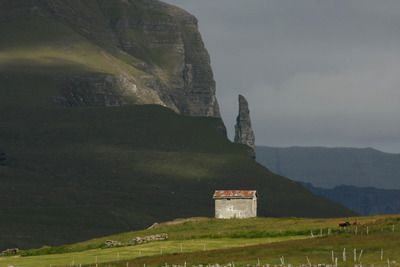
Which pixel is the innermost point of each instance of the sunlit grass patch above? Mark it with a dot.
(185, 245)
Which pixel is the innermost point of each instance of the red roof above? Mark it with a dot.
(235, 194)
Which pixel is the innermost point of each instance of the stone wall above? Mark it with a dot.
(157, 237)
(137, 240)
(10, 251)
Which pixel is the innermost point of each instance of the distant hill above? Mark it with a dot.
(365, 200)
(331, 167)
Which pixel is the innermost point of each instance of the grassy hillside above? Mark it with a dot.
(239, 241)
(91, 171)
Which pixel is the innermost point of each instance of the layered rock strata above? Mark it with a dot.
(154, 50)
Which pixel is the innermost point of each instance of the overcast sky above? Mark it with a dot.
(315, 72)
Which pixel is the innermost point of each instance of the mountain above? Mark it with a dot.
(365, 200)
(331, 167)
(79, 158)
(104, 53)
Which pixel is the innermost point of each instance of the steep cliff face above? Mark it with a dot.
(151, 52)
(243, 132)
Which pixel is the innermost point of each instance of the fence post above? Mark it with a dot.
(344, 254)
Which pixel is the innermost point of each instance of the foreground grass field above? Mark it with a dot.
(376, 240)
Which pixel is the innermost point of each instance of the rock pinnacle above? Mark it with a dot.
(243, 131)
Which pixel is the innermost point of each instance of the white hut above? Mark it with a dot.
(235, 204)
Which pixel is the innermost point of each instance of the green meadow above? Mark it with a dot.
(295, 241)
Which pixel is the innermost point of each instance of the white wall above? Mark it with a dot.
(235, 208)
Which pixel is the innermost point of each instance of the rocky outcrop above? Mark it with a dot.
(103, 90)
(243, 132)
(155, 51)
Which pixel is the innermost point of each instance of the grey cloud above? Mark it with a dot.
(314, 72)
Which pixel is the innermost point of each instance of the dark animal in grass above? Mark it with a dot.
(345, 224)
